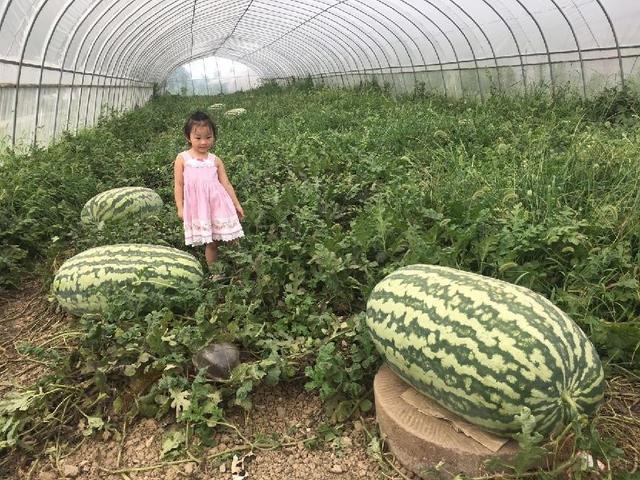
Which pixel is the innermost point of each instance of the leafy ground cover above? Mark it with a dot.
(339, 188)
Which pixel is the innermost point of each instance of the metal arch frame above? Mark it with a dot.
(515, 41)
(233, 57)
(274, 65)
(88, 56)
(321, 12)
(419, 50)
(345, 22)
(346, 46)
(326, 12)
(116, 31)
(79, 51)
(246, 9)
(50, 35)
(99, 55)
(347, 54)
(4, 14)
(473, 52)
(62, 63)
(455, 53)
(351, 28)
(125, 47)
(615, 39)
(486, 37)
(356, 32)
(204, 54)
(546, 46)
(397, 38)
(33, 21)
(463, 34)
(134, 67)
(321, 63)
(575, 39)
(431, 42)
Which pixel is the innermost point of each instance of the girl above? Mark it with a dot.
(206, 201)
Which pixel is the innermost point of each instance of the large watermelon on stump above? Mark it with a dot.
(82, 283)
(484, 348)
(119, 203)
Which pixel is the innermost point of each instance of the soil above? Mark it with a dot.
(286, 412)
(134, 452)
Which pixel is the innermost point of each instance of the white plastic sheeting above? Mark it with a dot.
(63, 63)
(211, 76)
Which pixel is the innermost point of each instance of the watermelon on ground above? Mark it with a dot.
(485, 349)
(84, 282)
(119, 203)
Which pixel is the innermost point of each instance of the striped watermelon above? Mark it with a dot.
(484, 348)
(78, 283)
(234, 112)
(120, 202)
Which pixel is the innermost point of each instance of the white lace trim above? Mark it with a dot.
(203, 239)
(200, 232)
(217, 224)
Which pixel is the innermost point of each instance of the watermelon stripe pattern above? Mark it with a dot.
(484, 348)
(81, 282)
(118, 203)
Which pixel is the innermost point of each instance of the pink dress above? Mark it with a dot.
(208, 211)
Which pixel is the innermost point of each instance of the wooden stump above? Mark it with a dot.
(428, 439)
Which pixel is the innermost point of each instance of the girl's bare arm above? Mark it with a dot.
(178, 189)
(224, 180)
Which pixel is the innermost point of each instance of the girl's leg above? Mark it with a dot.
(211, 252)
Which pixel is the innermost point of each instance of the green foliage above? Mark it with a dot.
(339, 188)
(342, 370)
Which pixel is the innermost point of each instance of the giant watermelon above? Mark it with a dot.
(484, 348)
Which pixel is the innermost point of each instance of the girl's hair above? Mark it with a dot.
(200, 119)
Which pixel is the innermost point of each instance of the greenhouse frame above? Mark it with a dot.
(64, 63)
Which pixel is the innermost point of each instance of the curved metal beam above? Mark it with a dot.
(473, 53)
(354, 57)
(19, 73)
(546, 46)
(575, 39)
(486, 38)
(615, 39)
(49, 37)
(515, 41)
(143, 56)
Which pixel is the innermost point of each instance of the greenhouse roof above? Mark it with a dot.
(454, 46)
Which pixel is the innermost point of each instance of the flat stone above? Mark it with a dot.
(70, 471)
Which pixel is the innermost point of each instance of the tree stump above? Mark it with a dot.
(429, 440)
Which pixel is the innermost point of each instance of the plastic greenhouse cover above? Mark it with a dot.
(123, 37)
(82, 55)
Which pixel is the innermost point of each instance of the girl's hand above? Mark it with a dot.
(240, 212)
(180, 215)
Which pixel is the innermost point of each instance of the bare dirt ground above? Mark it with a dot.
(286, 412)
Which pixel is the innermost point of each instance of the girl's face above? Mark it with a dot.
(201, 138)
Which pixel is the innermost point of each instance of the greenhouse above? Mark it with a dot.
(257, 239)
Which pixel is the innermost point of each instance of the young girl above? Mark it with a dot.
(206, 201)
